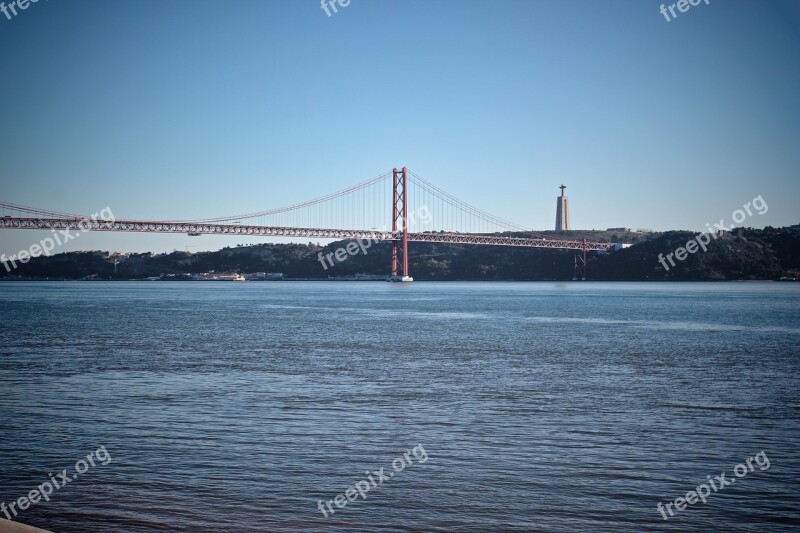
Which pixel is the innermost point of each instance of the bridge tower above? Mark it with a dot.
(400, 222)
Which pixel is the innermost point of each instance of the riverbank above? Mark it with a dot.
(742, 254)
(6, 526)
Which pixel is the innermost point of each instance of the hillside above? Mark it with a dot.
(745, 254)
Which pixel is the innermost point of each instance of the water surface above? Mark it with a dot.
(541, 406)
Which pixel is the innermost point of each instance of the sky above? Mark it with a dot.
(192, 109)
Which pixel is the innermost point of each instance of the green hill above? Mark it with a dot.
(744, 254)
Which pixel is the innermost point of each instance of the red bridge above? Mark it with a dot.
(436, 217)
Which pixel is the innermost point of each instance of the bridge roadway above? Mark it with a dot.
(195, 228)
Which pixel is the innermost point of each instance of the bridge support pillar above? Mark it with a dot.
(400, 222)
(580, 264)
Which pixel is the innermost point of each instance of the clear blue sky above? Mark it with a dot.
(197, 108)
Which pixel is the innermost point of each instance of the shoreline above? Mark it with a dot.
(45, 280)
(10, 526)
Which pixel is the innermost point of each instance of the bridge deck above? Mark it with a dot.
(82, 225)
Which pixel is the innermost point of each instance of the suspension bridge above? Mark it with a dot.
(418, 212)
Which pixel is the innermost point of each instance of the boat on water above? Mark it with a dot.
(400, 279)
(218, 276)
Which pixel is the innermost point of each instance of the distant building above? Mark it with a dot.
(620, 230)
(562, 211)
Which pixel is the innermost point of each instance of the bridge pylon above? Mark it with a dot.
(400, 222)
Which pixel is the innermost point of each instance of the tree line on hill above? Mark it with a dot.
(744, 254)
